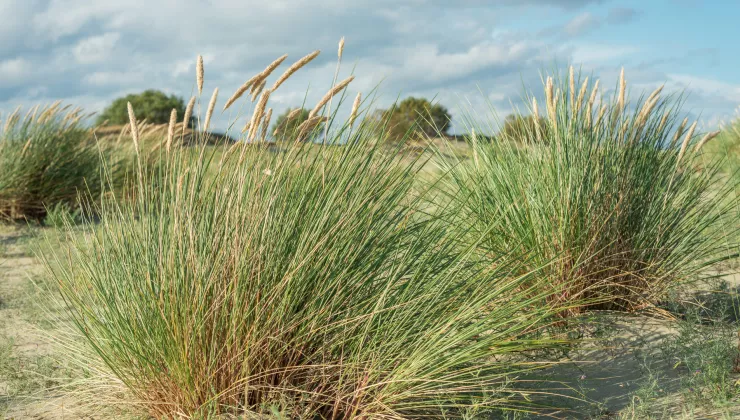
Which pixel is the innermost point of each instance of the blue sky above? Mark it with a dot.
(459, 52)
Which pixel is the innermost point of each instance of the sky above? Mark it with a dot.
(465, 54)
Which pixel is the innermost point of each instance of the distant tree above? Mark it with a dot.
(521, 128)
(416, 117)
(287, 129)
(153, 105)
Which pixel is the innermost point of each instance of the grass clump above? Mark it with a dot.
(46, 160)
(609, 199)
(303, 282)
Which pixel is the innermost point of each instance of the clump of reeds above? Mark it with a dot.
(307, 284)
(46, 160)
(609, 198)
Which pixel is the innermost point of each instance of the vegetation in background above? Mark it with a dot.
(286, 128)
(414, 118)
(727, 147)
(606, 198)
(46, 160)
(152, 105)
(519, 127)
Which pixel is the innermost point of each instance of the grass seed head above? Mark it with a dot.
(581, 95)
(330, 94)
(685, 143)
(294, 68)
(171, 128)
(355, 108)
(572, 87)
(211, 106)
(199, 72)
(188, 113)
(705, 139)
(134, 126)
(257, 115)
(622, 91)
(266, 123)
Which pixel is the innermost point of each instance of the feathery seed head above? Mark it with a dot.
(257, 89)
(188, 113)
(685, 142)
(171, 128)
(266, 123)
(333, 91)
(134, 127)
(572, 86)
(211, 106)
(679, 131)
(199, 72)
(257, 115)
(294, 68)
(705, 139)
(355, 108)
(581, 95)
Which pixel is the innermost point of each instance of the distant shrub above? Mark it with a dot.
(46, 160)
(414, 118)
(152, 105)
(286, 129)
(609, 200)
(519, 127)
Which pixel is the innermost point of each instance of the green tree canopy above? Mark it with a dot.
(287, 129)
(153, 105)
(417, 117)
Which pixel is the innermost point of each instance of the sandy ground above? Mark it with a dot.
(603, 379)
(27, 390)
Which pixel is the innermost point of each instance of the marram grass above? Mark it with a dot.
(47, 161)
(304, 281)
(616, 211)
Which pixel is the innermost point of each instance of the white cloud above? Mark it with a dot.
(91, 52)
(581, 24)
(96, 48)
(14, 71)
